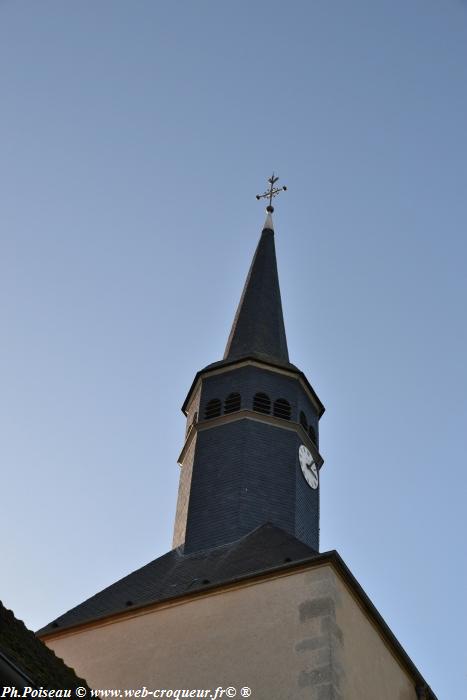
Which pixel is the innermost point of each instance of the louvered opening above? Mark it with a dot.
(282, 409)
(303, 421)
(213, 409)
(232, 403)
(312, 434)
(262, 403)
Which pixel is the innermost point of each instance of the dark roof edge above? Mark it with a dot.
(12, 672)
(331, 557)
(251, 358)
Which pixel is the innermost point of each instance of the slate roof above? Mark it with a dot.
(27, 658)
(175, 574)
(258, 325)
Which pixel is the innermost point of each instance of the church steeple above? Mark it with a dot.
(258, 327)
(251, 448)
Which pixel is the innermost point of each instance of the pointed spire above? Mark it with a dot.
(258, 327)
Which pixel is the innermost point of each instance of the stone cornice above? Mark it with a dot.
(247, 414)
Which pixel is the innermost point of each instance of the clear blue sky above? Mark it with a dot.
(134, 136)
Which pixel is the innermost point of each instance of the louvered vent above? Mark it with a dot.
(213, 409)
(312, 434)
(262, 403)
(232, 403)
(282, 409)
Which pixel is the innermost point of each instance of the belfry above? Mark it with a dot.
(244, 604)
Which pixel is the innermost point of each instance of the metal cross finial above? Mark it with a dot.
(272, 192)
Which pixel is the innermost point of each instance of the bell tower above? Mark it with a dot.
(251, 452)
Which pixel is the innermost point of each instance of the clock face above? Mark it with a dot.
(309, 468)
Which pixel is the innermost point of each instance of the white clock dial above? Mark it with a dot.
(309, 468)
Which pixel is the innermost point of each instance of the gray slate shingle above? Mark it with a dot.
(175, 574)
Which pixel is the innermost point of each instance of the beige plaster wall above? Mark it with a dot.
(370, 668)
(298, 636)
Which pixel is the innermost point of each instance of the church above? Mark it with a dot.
(244, 604)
